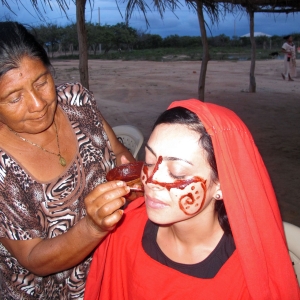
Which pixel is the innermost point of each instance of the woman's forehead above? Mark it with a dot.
(174, 139)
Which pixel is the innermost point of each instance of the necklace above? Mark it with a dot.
(62, 161)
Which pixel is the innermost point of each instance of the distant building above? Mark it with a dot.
(256, 34)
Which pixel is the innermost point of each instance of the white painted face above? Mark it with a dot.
(176, 175)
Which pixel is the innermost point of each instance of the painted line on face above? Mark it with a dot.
(189, 203)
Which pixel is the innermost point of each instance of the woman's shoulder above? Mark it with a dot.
(8, 164)
(74, 93)
(4, 162)
(285, 45)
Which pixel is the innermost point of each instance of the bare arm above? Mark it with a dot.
(121, 152)
(286, 48)
(285, 51)
(44, 257)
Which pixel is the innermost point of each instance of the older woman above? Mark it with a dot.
(55, 151)
(208, 226)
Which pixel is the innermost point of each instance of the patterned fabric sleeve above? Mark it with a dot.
(74, 94)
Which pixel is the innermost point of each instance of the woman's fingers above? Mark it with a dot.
(109, 222)
(124, 160)
(103, 188)
(103, 205)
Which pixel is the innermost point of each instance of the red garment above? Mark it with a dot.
(260, 266)
(130, 274)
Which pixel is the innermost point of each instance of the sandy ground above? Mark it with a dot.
(136, 92)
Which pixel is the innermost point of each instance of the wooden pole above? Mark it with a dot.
(252, 84)
(205, 56)
(82, 43)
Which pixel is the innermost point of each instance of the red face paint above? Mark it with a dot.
(190, 203)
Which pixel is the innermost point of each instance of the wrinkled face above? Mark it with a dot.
(27, 97)
(176, 175)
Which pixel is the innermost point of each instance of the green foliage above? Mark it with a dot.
(49, 36)
(119, 36)
(69, 38)
(121, 41)
(148, 41)
(219, 41)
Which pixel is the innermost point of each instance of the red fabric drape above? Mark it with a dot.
(250, 203)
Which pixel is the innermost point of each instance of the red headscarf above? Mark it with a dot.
(250, 203)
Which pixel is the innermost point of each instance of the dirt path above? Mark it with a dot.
(135, 92)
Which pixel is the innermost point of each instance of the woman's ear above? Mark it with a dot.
(218, 192)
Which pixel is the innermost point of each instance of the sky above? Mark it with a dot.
(185, 22)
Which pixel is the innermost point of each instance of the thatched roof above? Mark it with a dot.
(269, 6)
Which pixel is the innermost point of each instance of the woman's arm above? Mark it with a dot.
(286, 48)
(122, 153)
(47, 256)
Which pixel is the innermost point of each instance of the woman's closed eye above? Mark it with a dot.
(177, 177)
(148, 165)
(14, 99)
(41, 84)
(171, 174)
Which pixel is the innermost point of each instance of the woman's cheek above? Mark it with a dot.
(191, 199)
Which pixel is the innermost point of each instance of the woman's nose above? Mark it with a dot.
(35, 101)
(156, 175)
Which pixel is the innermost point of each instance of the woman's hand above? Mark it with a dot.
(124, 160)
(103, 206)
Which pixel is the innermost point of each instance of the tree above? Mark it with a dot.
(172, 41)
(148, 41)
(93, 36)
(70, 37)
(125, 36)
(49, 36)
(82, 43)
(107, 37)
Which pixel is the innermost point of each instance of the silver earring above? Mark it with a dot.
(217, 197)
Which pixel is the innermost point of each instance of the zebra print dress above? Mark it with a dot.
(32, 209)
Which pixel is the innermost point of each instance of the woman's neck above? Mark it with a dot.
(192, 240)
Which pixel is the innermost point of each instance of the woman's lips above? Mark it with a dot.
(42, 114)
(41, 117)
(154, 203)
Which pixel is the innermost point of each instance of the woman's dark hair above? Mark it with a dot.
(15, 43)
(286, 37)
(180, 115)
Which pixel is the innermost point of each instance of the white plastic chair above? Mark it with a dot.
(292, 234)
(131, 137)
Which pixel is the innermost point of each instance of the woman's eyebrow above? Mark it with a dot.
(169, 158)
(150, 149)
(13, 90)
(176, 158)
(41, 75)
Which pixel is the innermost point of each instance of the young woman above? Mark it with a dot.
(289, 60)
(208, 226)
